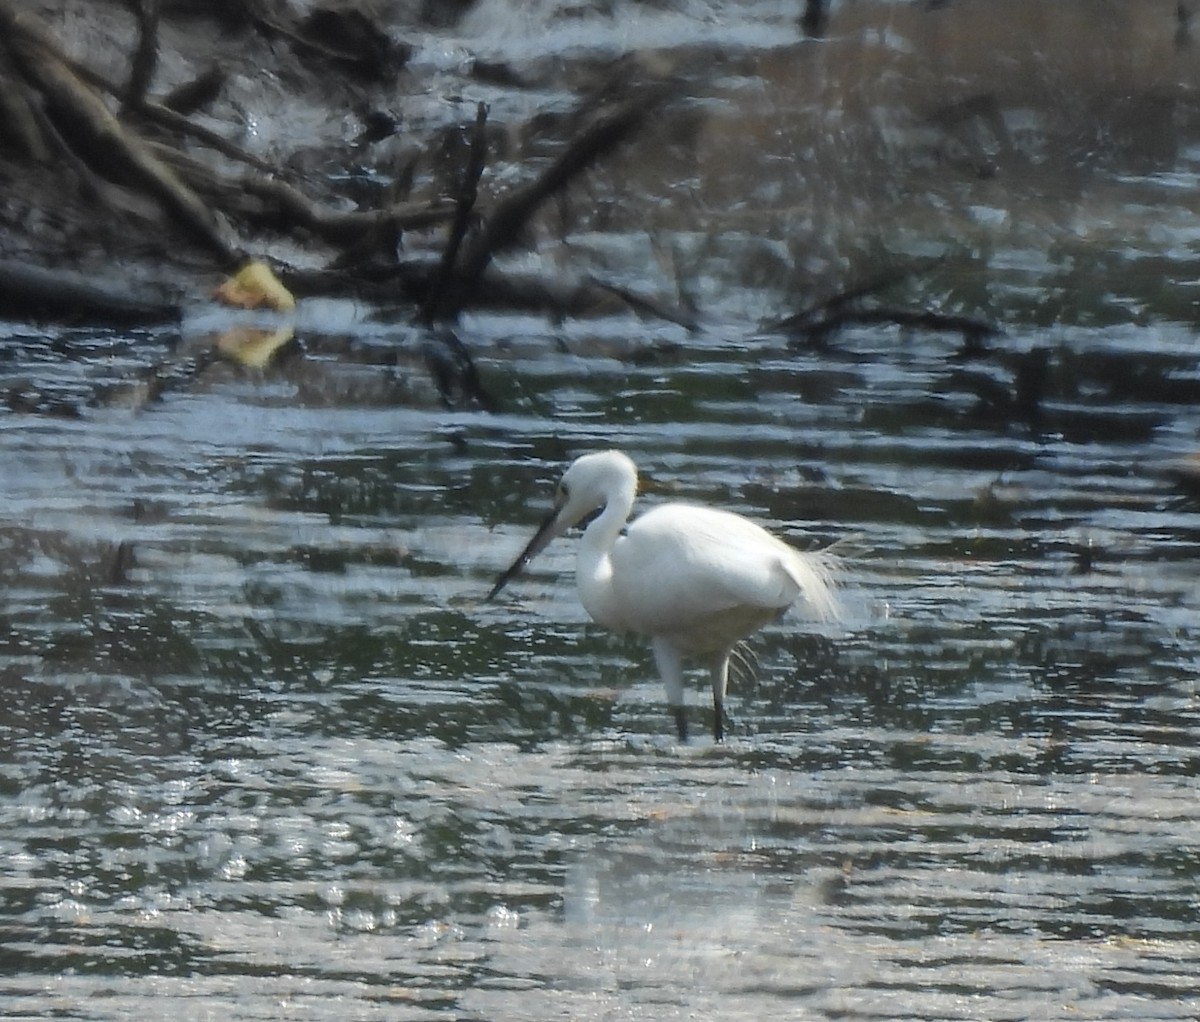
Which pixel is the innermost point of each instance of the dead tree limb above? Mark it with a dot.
(436, 301)
(814, 325)
(346, 227)
(145, 56)
(164, 114)
(454, 373)
(165, 117)
(267, 199)
(507, 219)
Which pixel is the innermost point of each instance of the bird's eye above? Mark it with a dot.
(563, 493)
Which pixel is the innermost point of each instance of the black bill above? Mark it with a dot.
(541, 539)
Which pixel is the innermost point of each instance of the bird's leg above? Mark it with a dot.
(681, 723)
(670, 667)
(720, 680)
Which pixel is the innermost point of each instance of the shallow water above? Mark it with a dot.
(265, 752)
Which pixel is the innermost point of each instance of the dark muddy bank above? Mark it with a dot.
(337, 141)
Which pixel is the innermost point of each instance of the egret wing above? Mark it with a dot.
(681, 565)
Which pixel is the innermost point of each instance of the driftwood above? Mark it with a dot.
(56, 108)
(167, 117)
(561, 297)
(67, 297)
(60, 107)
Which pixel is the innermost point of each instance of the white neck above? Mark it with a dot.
(593, 562)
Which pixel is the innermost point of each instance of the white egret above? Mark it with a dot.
(695, 580)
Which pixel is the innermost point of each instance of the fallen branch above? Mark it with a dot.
(64, 297)
(164, 116)
(799, 322)
(973, 331)
(291, 207)
(814, 325)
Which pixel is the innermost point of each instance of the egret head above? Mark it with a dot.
(590, 484)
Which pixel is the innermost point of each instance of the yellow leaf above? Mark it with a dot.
(254, 286)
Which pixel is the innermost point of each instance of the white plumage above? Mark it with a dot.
(695, 580)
